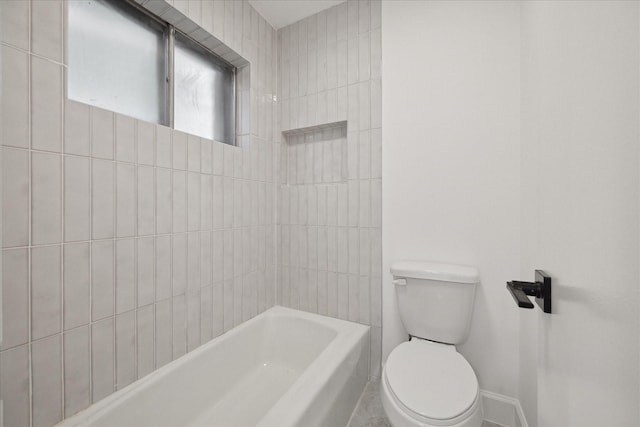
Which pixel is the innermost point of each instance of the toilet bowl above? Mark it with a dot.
(430, 384)
(425, 381)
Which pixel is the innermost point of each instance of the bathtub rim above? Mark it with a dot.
(346, 331)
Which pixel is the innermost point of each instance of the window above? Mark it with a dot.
(125, 60)
(204, 98)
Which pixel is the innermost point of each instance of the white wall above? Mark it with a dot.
(451, 181)
(580, 132)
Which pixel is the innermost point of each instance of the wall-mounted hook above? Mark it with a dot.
(541, 289)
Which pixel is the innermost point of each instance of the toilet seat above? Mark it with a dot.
(431, 383)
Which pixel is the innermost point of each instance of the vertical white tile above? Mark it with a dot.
(46, 198)
(102, 359)
(14, 24)
(76, 285)
(179, 149)
(353, 60)
(376, 352)
(328, 297)
(46, 105)
(163, 146)
(125, 139)
(354, 298)
(376, 203)
(364, 153)
(76, 198)
(341, 21)
(77, 131)
(15, 297)
(125, 275)
(125, 200)
(217, 256)
(376, 104)
(193, 201)
(46, 289)
(145, 271)
(376, 301)
(193, 319)
(46, 380)
(163, 340)
(205, 202)
(322, 292)
(353, 20)
(376, 153)
(364, 300)
(179, 326)
(14, 110)
(102, 133)
(179, 263)
(353, 190)
(145, 332)
(15, 197)
(376, 14)
(376, 53)
(217, 158)
(76, 370)
(228, 305)
(217, 203)
(146, 202)
(102, 276)
(146, 141)
(163, 267)
(343, 250)
(179, 199)
(364, 105)
(193, 261)
(46, 28)
(102, 194)
(206, 163)
(205, 314)
(125, 349)
(365, 203)
(163, 206)
(354, 251)
(14, 388)
(205, 259)
(193, 153)
(364, 15)
(365, 252)
(353, 107)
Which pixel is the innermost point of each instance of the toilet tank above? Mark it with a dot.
(436, 303)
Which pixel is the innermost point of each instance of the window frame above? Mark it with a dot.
(169, 61)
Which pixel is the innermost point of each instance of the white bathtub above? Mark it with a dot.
(282, 368)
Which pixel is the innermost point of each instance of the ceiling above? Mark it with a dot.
(280, 13)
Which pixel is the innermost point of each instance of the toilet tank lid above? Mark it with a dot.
(435, 271)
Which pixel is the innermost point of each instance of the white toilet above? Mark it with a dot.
(425, 381)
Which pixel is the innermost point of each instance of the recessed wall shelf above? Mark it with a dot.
(323, 126)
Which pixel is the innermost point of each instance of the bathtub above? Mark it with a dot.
(282, 368)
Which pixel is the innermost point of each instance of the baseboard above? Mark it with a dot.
(502, 410)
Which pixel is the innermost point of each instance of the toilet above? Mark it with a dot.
(425, 381)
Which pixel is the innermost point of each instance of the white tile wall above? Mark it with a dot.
(330, 200)
(125, 244)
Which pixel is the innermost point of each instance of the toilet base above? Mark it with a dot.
(399, 418)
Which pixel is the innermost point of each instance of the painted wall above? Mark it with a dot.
(580, 133)
(125, 244)
(330, 205)
(451, 158)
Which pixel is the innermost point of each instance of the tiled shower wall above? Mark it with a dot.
(330, 208)
(125, 244)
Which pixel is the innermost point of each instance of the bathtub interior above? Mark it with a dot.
(234, 384)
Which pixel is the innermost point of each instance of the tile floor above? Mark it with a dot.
(369, 412)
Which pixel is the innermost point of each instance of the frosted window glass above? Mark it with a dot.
(204, 95)
(117, 59)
